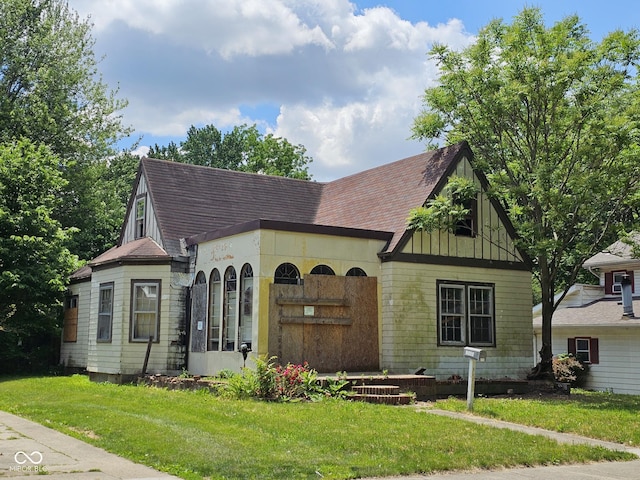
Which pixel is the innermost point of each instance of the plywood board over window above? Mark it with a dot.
(342, 333)
(70, 325)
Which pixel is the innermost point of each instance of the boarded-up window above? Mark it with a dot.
(70, 325)
(246, 305)
(199, 314)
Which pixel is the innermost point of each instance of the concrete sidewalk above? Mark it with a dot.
(595, 471)
(27, 448)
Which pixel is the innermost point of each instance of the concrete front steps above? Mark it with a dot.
(381, 394)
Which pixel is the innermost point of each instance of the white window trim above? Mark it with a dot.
(461, 315)
(587, 351)
(465, 315)
(132, 323)
(490, 315)
(104, 314)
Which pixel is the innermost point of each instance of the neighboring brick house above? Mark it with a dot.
(211, 259)
(590, 324)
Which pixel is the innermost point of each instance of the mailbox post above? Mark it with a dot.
(474, 355)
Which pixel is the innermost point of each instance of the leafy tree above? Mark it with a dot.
(552, 118)
(168, 152)
(50, 89)
(51, 92)
(59, 123)
(34, 259)
(243, 148)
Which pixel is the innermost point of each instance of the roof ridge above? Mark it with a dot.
(226, 170)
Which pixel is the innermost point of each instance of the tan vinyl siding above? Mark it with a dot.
(409, 321)
(104, 357)
(74, 354)
(121, 356)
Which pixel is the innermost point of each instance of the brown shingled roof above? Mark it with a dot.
(141, 249)
(381, 198)
(190, 200)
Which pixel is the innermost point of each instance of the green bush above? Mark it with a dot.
(271, 381)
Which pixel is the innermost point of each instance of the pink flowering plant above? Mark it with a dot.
(285, 382)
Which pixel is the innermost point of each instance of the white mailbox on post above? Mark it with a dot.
(476, 354)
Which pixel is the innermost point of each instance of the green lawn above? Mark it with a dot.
(195, 435)
(605, 416)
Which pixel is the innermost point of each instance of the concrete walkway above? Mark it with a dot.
(28, 448)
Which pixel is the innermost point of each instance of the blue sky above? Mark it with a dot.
(342, 78)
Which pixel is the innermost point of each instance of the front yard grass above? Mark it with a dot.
(605, 416)
(196, 435)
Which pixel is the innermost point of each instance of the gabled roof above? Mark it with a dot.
(191, 200)
(381, 198)
(618, 253)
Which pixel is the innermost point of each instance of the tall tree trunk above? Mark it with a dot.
(544, 369)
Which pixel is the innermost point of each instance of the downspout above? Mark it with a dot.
(193, 254)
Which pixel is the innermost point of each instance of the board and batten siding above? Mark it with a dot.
(151, 225)
(492, 242)
(409, 321)
(74, 354)
(619, 356)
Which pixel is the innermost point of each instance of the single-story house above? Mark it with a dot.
(592, 324)
(211, 262)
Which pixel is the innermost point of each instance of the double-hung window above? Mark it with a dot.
(105, 312)
(465, 314)
(145, 310)
(585, 349)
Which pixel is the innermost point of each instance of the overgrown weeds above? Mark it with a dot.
(272, 381)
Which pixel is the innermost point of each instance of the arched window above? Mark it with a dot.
(246, 305)
(288, 274)
(199, 313)
(215, 303)
(229, 315)
(322, 270)
(356, 272)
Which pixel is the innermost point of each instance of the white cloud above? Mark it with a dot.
(347, 85)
